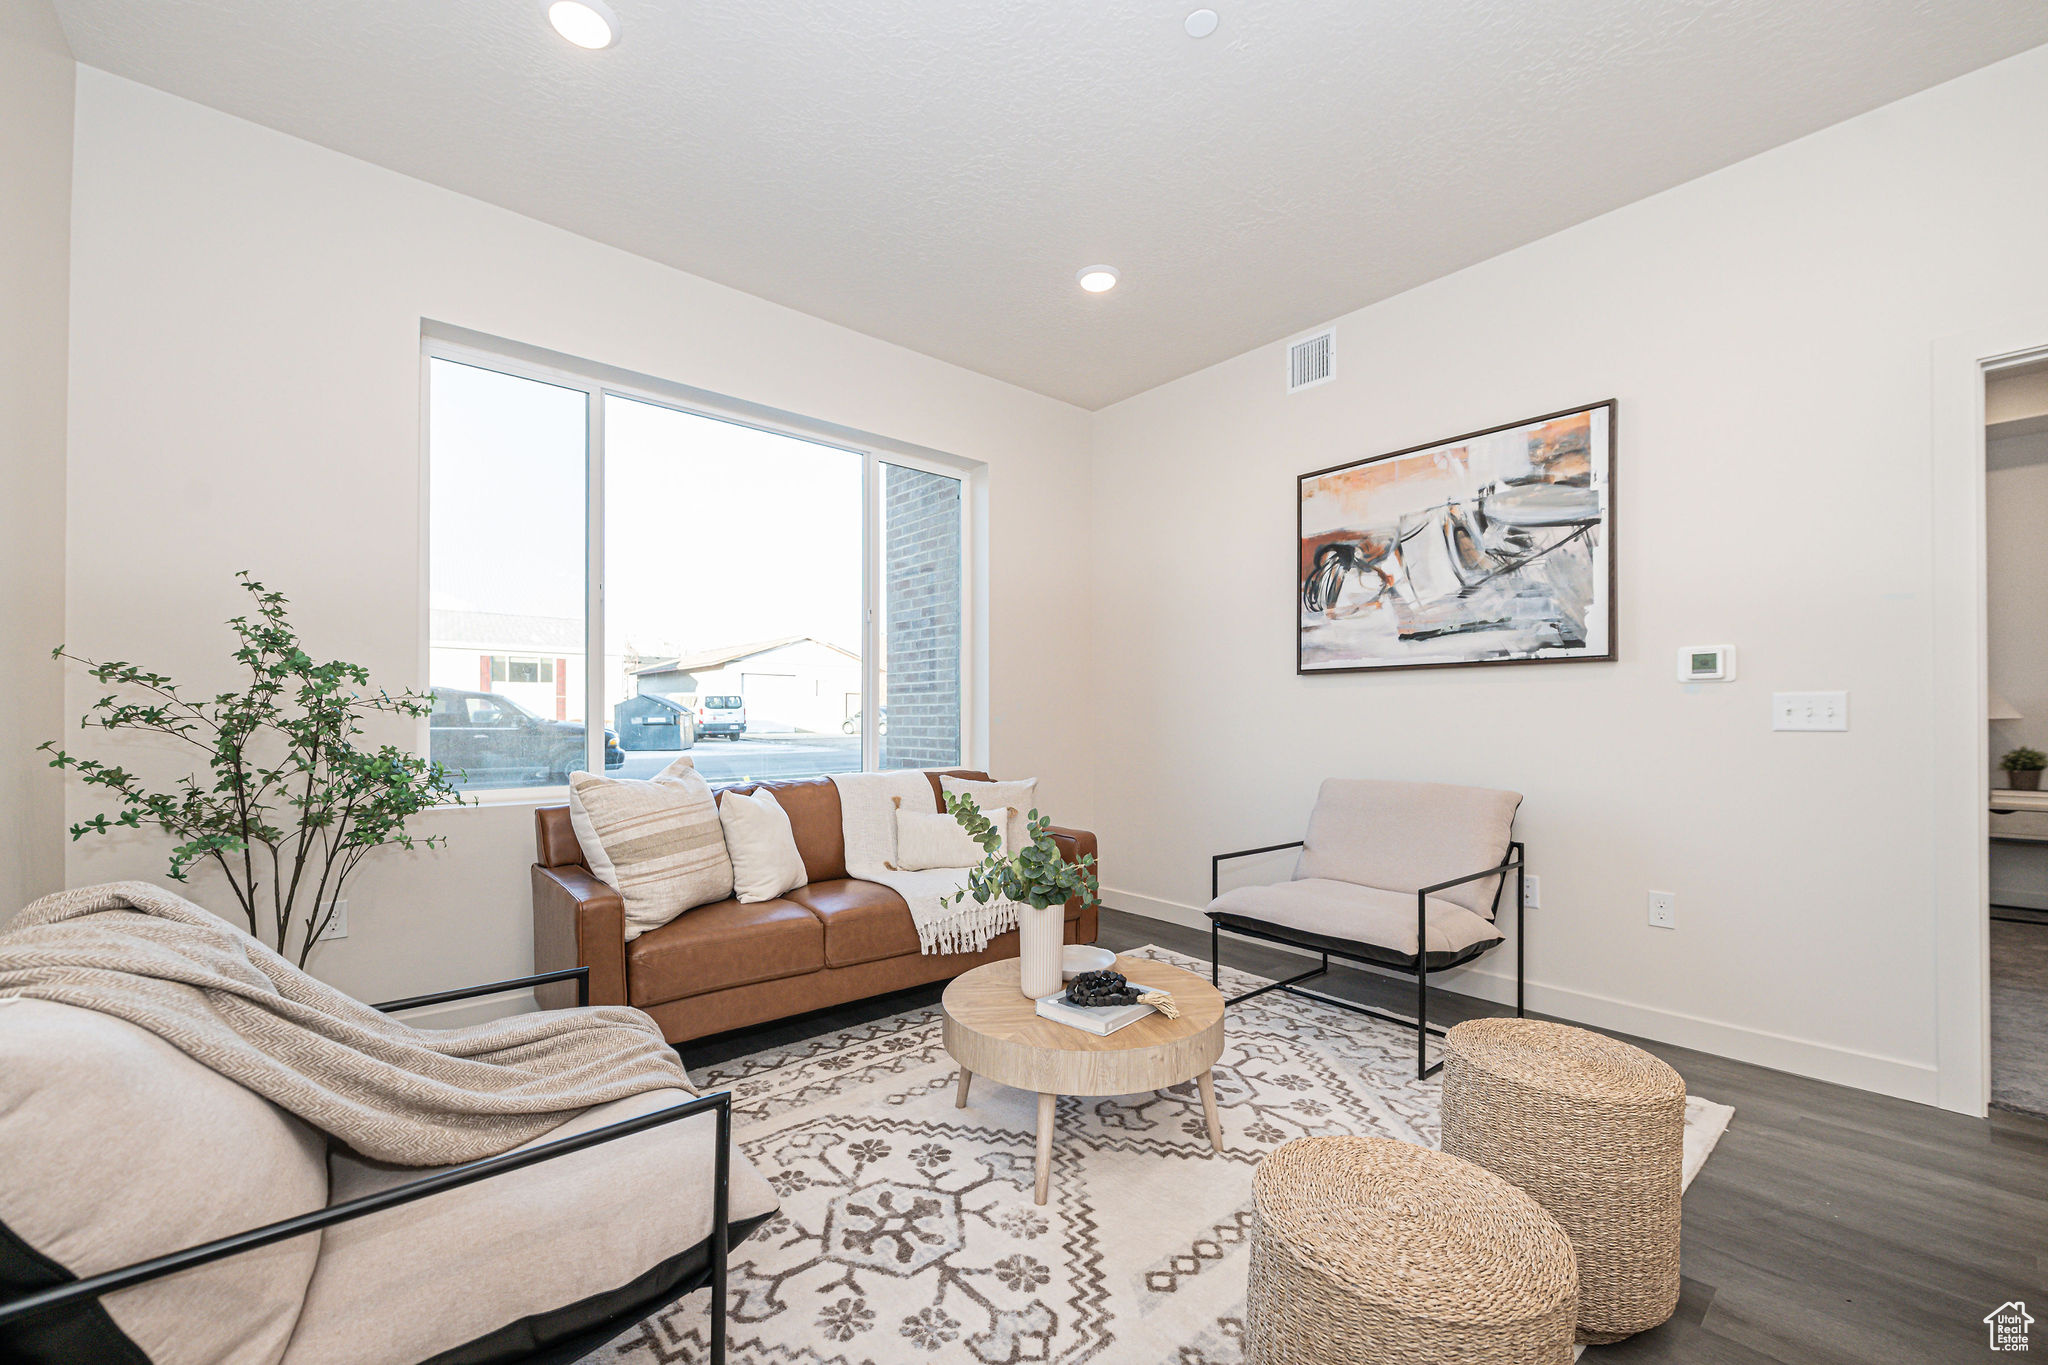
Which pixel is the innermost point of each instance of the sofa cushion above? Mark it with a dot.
(722, 945)
(1021, 796)
(1403, 836)
(864, 921)
(508, 1260)
(758, 838)
(116, 1147)
(929, 839)
(1357, 914)
(658, 843)
(812, 806)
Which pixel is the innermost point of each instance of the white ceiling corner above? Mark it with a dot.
(933, 172)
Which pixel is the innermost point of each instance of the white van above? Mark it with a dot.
(721, 714)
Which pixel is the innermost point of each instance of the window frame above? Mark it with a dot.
(596, 383)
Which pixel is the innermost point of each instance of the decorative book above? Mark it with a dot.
(1100, 1021)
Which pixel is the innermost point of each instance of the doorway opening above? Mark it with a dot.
(2016, 740)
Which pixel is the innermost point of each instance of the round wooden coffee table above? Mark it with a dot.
(993, 1030)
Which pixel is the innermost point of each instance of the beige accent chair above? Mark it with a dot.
(1386, 878)
(152, 1211)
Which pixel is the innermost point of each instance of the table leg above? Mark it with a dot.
(1208, 1088)
(966, 1078)
(1045, 1108)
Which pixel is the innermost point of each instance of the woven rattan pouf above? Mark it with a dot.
(1367, 1251)
(1594, 1131)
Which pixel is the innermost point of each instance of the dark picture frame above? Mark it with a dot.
(1520, 569)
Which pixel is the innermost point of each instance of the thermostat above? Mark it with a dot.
(1706, 663)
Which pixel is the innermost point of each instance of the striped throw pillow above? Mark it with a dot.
(657, 843)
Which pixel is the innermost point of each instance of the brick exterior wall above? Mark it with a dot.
(921, 531)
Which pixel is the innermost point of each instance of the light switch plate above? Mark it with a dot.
(1809, 710)
(1664, 909)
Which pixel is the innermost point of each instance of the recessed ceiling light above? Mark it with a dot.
(586, 23)
(1201, 23)
(1097, 279)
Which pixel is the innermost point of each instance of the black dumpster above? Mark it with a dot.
(649, 722)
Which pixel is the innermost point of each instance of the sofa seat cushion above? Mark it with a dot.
(514, 1263)
(864, 921)
(115, 1147)
(722, 945)
(1343, 912)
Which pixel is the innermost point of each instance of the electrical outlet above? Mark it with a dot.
(1809, 710)
(1532, 892)
(1663, 909)
(338, 926)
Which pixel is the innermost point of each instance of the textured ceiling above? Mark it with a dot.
(933, 172)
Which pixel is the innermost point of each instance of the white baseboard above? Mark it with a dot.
(458, 1013)
(1781, 1052)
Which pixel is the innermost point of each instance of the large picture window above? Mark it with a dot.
(776, 603)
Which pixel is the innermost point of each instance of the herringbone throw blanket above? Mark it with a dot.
(867, 816)
(415, 1097)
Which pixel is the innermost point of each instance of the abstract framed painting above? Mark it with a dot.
(1496, 547)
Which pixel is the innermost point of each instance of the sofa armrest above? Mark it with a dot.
(1075, 844)
(578, 921)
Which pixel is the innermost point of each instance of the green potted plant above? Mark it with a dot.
(292, 799)
(1035, 876)
(2023, 768)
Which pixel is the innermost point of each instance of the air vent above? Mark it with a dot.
(1311, 361)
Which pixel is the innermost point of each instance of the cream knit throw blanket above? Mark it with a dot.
(867, 811)
(394, 1093)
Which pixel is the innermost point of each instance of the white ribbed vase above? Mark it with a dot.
(1040, 936)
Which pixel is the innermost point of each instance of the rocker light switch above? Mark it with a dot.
(1809, 710)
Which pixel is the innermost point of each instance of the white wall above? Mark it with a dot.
(35, 230)
(1768, 331)
(245, 394)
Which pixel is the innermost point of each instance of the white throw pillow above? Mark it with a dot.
(925, 840)
(762, 846)
(657, 843)
(1020, 797)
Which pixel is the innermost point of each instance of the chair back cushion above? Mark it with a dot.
(117, 1147)
(1402, 836)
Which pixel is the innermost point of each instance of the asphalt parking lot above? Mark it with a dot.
(754, 758)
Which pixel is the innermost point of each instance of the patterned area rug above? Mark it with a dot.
(907, 1231)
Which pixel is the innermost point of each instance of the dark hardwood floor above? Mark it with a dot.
(1832, 1225)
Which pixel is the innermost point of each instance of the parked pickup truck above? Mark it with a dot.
(493, 741)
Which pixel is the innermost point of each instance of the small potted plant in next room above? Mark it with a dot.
(1037, 878)
(2023, 768)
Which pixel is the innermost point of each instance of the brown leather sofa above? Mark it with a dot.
(727, 965)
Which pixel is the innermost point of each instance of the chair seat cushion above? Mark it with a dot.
(725, 944)
(115, 1147)
(1343, 912)
(523, 1260)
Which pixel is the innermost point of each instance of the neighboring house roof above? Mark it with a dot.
(718, 658)
(504, 630)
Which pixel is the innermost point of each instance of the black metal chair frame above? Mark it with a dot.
(1274, 933)
(719, 1103)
